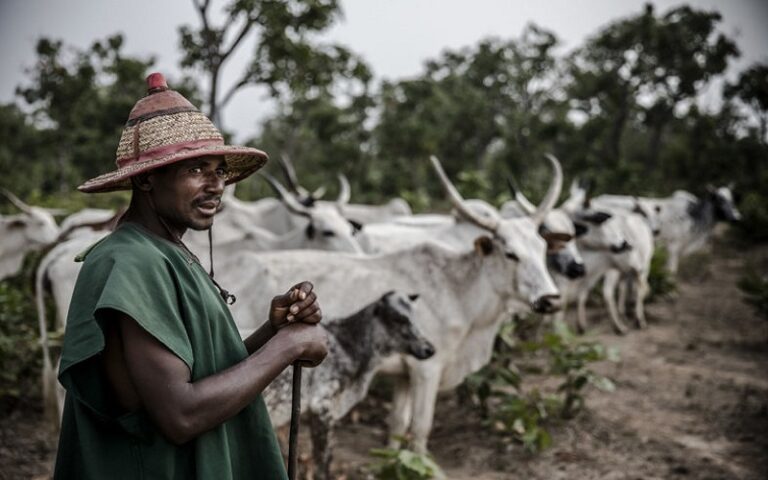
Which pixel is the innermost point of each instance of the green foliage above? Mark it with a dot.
(404, 464)
(755, 289)
(527, 414)
(20, 360)
(659, 279)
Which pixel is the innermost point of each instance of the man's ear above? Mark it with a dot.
(484, 245)
(141, 182)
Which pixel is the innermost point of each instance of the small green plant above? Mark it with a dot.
(526, 415)
(755, 290)
(659, 279)
(404, 464)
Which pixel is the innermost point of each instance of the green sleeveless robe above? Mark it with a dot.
(171, 297)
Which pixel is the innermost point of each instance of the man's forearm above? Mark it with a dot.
(257, 339)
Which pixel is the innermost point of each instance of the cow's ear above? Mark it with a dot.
(581, 229)
(484, 245)
(310, 231)
(356, 226)
(597, 218)
(413, 297)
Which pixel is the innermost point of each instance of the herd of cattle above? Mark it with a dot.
(418, 297)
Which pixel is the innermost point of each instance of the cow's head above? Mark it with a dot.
(723, 201)
(326, 228)
(594, 229)
(393, 312)
(557, 230)
(515, 243)
(650, 212)
(35, 226)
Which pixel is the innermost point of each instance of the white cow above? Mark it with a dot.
(685, 221)
(464, 297)
(630, 260)
(31, 230)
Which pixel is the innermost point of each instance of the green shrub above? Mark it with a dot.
(659, 279)
(20, 357)
(526, 415)
(403, 464)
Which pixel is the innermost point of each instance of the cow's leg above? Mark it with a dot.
(624, 286)
(581, 309)
(425, 382)
(402, 408)
(610, 281)
(321, 430)
(641, 290)
(673, 259)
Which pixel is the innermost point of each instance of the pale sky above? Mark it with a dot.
(394, 36)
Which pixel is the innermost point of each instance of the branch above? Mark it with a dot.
(203, 11)
(240, 36)
(228, 96)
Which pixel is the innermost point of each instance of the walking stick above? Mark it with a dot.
(293, 435)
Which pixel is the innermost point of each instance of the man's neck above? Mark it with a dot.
(142, 212)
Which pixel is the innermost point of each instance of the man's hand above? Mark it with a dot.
(309, 343)
(298, 304)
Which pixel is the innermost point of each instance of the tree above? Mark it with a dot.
(752, 89)
(285, 57)
(645, 68)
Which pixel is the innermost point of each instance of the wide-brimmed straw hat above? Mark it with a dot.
(163, 128)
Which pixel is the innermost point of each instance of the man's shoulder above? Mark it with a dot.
(127, 243)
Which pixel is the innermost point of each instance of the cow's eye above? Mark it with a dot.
(328, 233)
(512, 256)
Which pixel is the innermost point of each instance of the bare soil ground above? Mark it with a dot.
(691, 402)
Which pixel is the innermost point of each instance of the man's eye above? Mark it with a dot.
(222, 172)
(195, 170)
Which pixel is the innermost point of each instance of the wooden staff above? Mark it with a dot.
(293, 435)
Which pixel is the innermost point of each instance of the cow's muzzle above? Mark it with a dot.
(547, 304)
(575, 270)
(422, 350)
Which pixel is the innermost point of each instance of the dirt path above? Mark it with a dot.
(691, 403)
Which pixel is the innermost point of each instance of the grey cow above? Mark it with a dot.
(358, 345)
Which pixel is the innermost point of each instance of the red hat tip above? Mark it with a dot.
(156, 83)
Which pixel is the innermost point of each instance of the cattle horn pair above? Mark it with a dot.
(305, 197)
(289, 200)
(550, 199)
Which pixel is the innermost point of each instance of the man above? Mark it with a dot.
(159, 384)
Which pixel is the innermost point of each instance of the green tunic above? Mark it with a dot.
(171, 297)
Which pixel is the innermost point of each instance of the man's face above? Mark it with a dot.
(187, 193)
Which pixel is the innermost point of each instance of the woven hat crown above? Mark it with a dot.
(164, 127)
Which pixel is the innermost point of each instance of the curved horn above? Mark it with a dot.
(16, 201)
(290, 176)
(455, 197)
(288, 199)
(521, 199)
(318, 193)
(553, 193)
(345, 192)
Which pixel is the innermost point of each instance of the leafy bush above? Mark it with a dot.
(404, 464)
(755, 290)
(526, 415)
(20, 360)
(659, 279)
